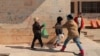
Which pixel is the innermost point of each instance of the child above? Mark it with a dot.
(59, 32)
(37, 32)
(72, 34)
(80, 22)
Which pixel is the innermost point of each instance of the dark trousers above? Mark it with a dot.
(79, 30)
(37, 37)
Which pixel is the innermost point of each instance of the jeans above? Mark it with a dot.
(76, 40)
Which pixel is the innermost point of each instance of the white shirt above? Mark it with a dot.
(79, 21)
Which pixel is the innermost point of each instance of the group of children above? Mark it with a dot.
(73, 26)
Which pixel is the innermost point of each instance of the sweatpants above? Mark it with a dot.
(58, 39)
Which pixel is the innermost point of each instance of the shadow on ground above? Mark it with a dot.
(50, 49)
(4, 54)
(19, 47)
(90, 27)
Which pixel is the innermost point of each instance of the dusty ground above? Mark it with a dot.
(93, 34)
(91, 48)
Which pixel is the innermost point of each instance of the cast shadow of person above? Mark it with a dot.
(18, 47)
(49, 49)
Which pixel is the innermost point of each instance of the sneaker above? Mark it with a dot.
(33, 48)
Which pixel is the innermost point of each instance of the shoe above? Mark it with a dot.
(33, 48)
(81, 53)
(42, 47)
(63, 48)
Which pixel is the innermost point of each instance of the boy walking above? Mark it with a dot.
(59, 31)
(80, 22)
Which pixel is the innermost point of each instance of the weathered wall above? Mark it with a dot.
(16, 18)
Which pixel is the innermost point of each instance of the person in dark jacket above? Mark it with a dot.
(58, 31)
(37, 32)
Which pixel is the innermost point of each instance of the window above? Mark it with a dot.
(90, 7)
(72, 7)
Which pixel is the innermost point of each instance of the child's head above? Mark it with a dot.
(59, 19)
(69, 17)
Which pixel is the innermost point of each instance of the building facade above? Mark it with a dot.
(89, 8)
(16, 18)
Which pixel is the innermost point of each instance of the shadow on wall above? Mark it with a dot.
(16, 11)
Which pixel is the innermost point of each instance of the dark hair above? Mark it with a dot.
(59, 19)
(69, 17)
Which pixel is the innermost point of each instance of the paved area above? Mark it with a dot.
(93, 34)
(91, 49)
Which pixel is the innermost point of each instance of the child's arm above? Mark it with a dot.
(54, 26)
(64, 25)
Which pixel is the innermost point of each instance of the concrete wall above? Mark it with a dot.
(16, 18)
